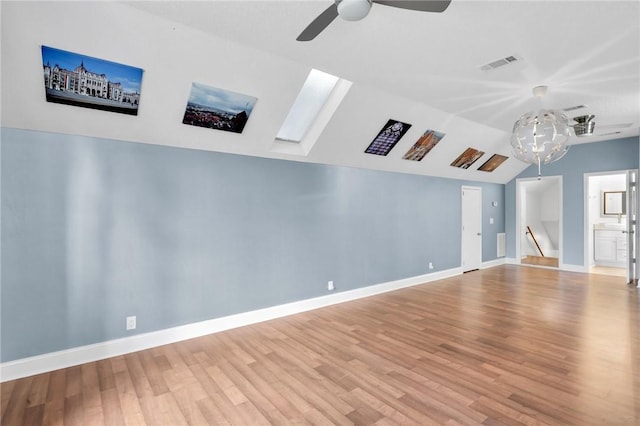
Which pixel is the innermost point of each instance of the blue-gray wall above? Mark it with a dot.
(621, 154)
(95, 230)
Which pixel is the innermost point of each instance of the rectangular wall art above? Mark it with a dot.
(492, 163)
(467, 158)
(220, 109)
(388, 137)
(79, 80)
(425, 144)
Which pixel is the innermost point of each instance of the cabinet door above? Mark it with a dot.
(621, 246)
(606, 249)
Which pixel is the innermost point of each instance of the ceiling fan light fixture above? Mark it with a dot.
(353, 10)
(585, 126)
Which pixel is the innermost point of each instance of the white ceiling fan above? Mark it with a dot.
(354, 10)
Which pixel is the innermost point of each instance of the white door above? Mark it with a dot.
(631, 213)
(471, 228)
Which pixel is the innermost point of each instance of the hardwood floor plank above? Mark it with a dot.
(111, 408)
(33, 415)
(6, 389)
(18, 399)
(507, 345)
(74, 410)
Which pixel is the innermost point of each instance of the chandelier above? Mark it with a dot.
(540, 137)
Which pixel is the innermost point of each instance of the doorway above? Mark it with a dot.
(610, 210)
(539, 221)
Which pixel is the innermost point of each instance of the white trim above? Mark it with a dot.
(511, 261)
(573, 268)
(62, 359)
(492, 263)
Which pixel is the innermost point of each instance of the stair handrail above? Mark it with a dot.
(530, 232)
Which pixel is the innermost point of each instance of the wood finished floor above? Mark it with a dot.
(507, 345)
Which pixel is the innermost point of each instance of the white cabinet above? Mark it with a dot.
(610, 247)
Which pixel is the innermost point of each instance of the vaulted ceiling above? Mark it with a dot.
(416, 67)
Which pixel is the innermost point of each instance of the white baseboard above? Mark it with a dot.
(67, 358)
(492, 263)
(573, 268)
(563, 267)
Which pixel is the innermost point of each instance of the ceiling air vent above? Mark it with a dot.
(499, 63)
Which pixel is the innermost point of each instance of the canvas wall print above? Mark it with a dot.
(388, 137)
(467, 158)
(220, 109)
(492, 163)
(85, 81)
(425, 144)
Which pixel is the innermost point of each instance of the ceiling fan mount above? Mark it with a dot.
(354, 10)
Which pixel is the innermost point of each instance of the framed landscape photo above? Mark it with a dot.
(492, 163)
(219, 109)
(427, 141)
(388, 137)
(467, 158)
(84, 81)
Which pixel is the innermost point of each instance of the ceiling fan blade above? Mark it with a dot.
(615, 126)
(319, 24)
(420, 5)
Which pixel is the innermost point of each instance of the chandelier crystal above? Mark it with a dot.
(540, 137)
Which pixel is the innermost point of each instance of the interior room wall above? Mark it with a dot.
(620, 154)
(95, 230)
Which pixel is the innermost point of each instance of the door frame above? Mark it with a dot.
(518, 233)
(462, 245)
(588, 231)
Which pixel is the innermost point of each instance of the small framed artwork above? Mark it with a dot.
(492, 163)
(388, 137)
(85, 81)
(425, 144)
(467, 158)
(218, 109)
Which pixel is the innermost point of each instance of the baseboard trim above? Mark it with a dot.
(75, 356)
(492, 263)
(573, 268)
(567, 267)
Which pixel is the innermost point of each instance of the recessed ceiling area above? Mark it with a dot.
(420, 68)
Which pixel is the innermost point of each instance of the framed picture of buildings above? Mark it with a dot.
(492, 163)
(425, 144)
(388, 137)
(467, 158)
(219, 109)
(80, 80)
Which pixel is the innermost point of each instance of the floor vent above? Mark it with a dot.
(501, 244)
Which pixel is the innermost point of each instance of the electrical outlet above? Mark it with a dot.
(330, 286)
(430, 265)
(131, 323)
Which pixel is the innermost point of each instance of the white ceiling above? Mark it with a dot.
(586, 52)
(421, 68)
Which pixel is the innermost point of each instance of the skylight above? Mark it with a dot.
(303, 113)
